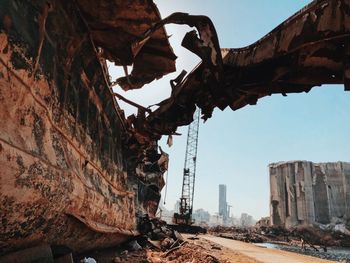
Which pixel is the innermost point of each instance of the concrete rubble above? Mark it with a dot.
(74, 168)
(159, 243)
(188, 252)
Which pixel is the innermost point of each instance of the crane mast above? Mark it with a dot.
(189, 173)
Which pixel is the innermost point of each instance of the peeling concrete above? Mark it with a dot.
(67, 173)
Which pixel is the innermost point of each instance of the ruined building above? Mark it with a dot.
(74, 168)
(306, 193)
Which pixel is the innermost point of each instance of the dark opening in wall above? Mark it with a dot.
(286, 199)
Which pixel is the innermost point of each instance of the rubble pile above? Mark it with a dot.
(189, 252)
(159, 243)
(307, 236)
(249, 235)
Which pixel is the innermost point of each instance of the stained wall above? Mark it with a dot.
(303, 192)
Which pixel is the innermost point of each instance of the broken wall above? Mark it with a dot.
(67, 155)
(303, 192)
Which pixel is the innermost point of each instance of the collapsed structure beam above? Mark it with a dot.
(309, 49)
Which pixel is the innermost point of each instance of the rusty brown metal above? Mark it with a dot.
(116, 27)
(309, 49)
(131, 102)
(71, 168)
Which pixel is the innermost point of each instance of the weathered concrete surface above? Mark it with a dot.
(67, 155)
(305, 193)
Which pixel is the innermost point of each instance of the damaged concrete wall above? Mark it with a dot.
(67, 155)
(303, 192)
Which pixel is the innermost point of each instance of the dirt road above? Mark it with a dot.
(261, 254)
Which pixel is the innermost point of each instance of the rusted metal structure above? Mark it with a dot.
(309, 49)
(73, 168)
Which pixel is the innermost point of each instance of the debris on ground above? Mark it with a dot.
(237, 233)
(189, 252)
(159, 243)
(134, 246)
(216, 247)
(307, 237)
(198, 250)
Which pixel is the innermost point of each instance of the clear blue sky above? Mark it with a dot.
(235, 147)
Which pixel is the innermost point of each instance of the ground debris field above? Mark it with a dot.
(307, 236)
(200, 250)
(312, 241)
(203, 248)
(194, 249)
(161, 243)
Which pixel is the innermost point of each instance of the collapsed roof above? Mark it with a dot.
(309, 49)
(118, 26)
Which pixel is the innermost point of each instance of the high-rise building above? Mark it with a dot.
(222, 202)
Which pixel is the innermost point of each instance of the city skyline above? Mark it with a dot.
(201, 216)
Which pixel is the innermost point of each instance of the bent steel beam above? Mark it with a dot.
(309, 49)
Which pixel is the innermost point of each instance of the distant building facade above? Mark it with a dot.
(201, 216)
(216, 220)
(223, 209)
(246, 220)
(303, 192)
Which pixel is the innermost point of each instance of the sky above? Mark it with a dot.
(235, 147)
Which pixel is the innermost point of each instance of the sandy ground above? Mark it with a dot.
(260, 254)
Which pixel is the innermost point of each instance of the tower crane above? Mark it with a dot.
(184, 217)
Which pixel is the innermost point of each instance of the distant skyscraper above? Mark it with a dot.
(222, 201)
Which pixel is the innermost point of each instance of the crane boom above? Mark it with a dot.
(189, 173)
